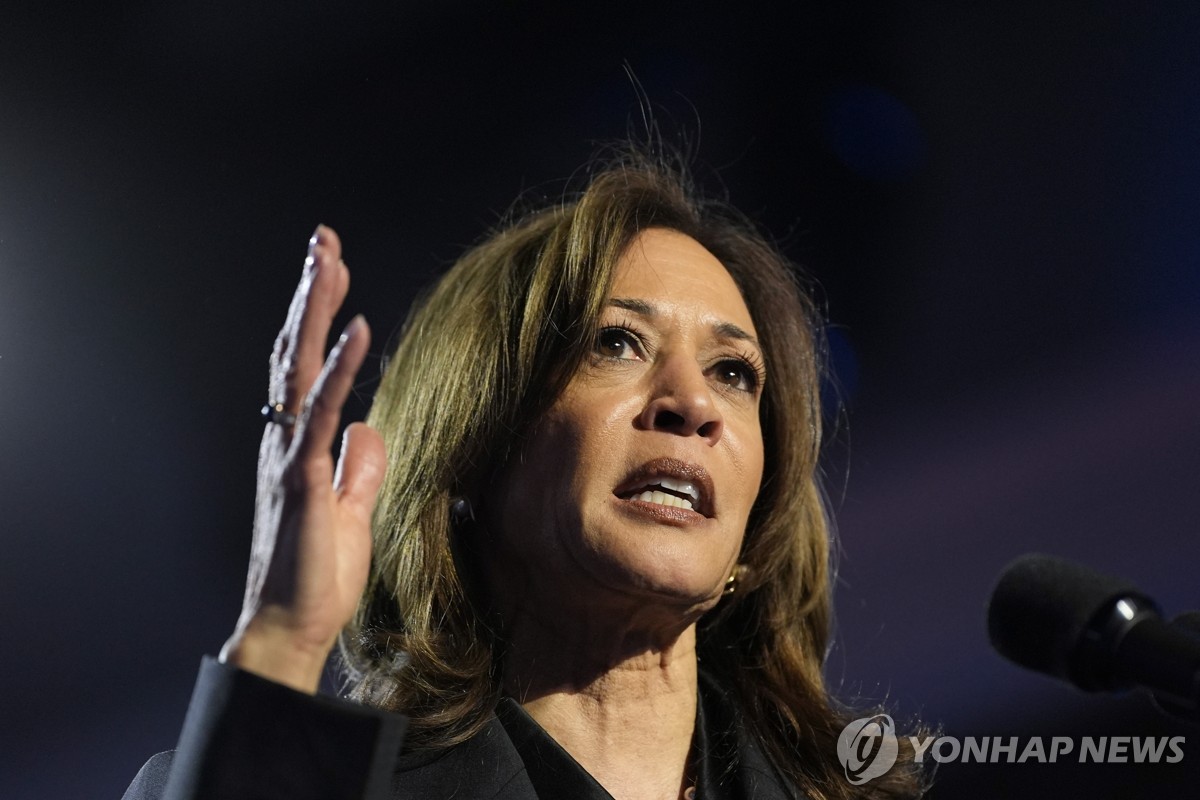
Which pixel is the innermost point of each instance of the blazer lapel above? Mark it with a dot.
(485, 767)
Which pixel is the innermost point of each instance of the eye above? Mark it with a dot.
(737, 374)
(618, 343)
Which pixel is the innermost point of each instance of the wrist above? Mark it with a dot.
(271, 652)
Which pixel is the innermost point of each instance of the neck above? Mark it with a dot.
(620, 700)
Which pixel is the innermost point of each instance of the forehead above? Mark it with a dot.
(675, 272)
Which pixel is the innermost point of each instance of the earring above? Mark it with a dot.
(731, 583)
(461, 510)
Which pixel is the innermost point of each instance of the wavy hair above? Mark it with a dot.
(481, 358)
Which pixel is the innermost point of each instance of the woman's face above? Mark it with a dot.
(638, 482)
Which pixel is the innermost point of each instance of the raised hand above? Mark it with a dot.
(312, 539)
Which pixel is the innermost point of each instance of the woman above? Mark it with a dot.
(600, 554)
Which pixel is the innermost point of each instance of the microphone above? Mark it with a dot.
(1098, 632)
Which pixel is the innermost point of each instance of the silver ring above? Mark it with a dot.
(275, 413)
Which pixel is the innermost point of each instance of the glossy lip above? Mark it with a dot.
(669, 515)
(671, 468)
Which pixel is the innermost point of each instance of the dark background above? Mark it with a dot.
(999, 204)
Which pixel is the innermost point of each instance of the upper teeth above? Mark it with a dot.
(680, 486)
(662, 498)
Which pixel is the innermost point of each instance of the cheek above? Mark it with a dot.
(746, 457)
(757, 461)
(589, 429)
(549, 474)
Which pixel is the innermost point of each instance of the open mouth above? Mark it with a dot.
(671, 483)
(668, 492)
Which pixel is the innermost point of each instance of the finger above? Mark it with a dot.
(360, 468)
(301, 344)
(342, 285)
(312, 318)
(323, 409)
(330, 281)
(284, 342)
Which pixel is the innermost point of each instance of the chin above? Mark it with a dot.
(683, 589)
(658, 563)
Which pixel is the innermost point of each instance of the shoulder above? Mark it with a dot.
(485, 767)
(151, 779)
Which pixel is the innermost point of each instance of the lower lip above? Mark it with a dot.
(660, 513)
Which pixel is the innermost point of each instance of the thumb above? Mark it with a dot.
(361, 467)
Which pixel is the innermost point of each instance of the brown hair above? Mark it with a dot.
(480, 360)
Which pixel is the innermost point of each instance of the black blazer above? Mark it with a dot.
(245, 737)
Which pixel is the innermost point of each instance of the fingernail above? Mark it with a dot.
(310, 262)
(353, 328)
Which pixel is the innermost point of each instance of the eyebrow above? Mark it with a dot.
(726, 330)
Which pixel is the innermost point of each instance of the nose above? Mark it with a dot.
(681, 401)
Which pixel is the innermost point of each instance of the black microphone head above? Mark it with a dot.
(1042, 609)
